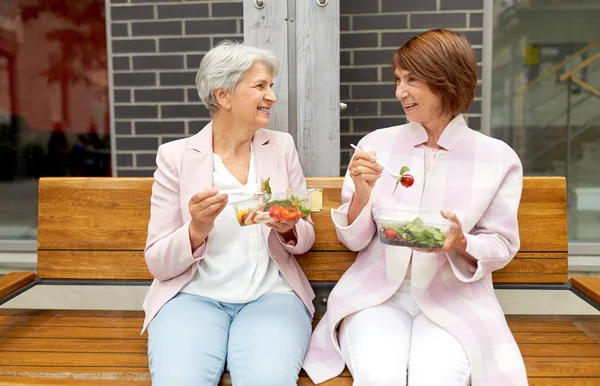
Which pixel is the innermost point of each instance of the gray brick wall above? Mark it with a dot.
(371, 31)
(157, 46)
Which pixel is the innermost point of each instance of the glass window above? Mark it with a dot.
(54, 115)
(546, 97)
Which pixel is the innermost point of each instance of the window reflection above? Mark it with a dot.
(54, 116)
(546, 97)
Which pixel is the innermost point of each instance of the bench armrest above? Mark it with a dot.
(14, 281)
(589, 286)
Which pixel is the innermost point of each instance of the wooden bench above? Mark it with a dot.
(93, 230)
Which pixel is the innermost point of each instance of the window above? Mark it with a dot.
(54, 115)
(546, 97)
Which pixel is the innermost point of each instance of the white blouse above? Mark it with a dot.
(237, 267)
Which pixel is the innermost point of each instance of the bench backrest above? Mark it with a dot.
(95, 229)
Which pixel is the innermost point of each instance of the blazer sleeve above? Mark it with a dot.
(168, 250)
(494, 240)
(304, 229)
(359, 234)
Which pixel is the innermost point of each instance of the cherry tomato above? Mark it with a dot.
(407, 180)
(390, 234)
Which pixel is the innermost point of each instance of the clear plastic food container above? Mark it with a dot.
(264, 208)
(412, 228)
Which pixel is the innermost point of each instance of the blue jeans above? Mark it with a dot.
(263, 342)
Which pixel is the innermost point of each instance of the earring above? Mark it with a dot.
(228, 107)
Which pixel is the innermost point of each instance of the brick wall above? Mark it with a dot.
(156, 50)
(371, 31)
(157, 46)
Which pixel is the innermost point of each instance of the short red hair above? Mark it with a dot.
(446, 61)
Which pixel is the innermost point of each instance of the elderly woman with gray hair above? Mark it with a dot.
(226, 296)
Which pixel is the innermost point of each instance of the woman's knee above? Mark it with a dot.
(272, 366)
(187, 343)
(182, 364)
(268, 341)
(437, 357)
(375, 346)
(453, 372)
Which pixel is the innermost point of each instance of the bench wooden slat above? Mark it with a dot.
(70, 332)
(74, 359)
(550, 326)
(93, 265)
(139, 372)
(12, 281)
(543, 381)
(75, 321)
(553, 350)
(572, 318)
(563, 367)
(317, 265)
(589, 286)
(554, 337)
(119, 346)
(14, 381)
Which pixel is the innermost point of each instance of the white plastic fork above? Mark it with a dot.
(385, 167)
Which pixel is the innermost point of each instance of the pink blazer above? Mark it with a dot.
(185, 167)
(479, 178)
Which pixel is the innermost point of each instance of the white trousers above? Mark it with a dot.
(395, 344)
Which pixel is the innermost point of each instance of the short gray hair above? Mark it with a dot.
(225, 65)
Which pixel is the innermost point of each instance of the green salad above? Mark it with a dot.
(413, 234)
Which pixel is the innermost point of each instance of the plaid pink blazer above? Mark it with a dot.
(480, 179)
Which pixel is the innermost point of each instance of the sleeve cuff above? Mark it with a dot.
(462, 269)
(357, 235)
(199, 252)
(340, 217)
(291, 243)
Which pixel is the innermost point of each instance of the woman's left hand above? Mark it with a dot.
(456, 240)
(285, 228)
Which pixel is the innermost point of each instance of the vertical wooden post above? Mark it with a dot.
(268, 28)
(318, 87)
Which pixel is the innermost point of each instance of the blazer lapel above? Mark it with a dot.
(197, 167)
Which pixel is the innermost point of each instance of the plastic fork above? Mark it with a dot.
(387, 169)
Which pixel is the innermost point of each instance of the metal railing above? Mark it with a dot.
(522, 136)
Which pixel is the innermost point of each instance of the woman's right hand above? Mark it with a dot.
(364, 172)
(204, 207)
